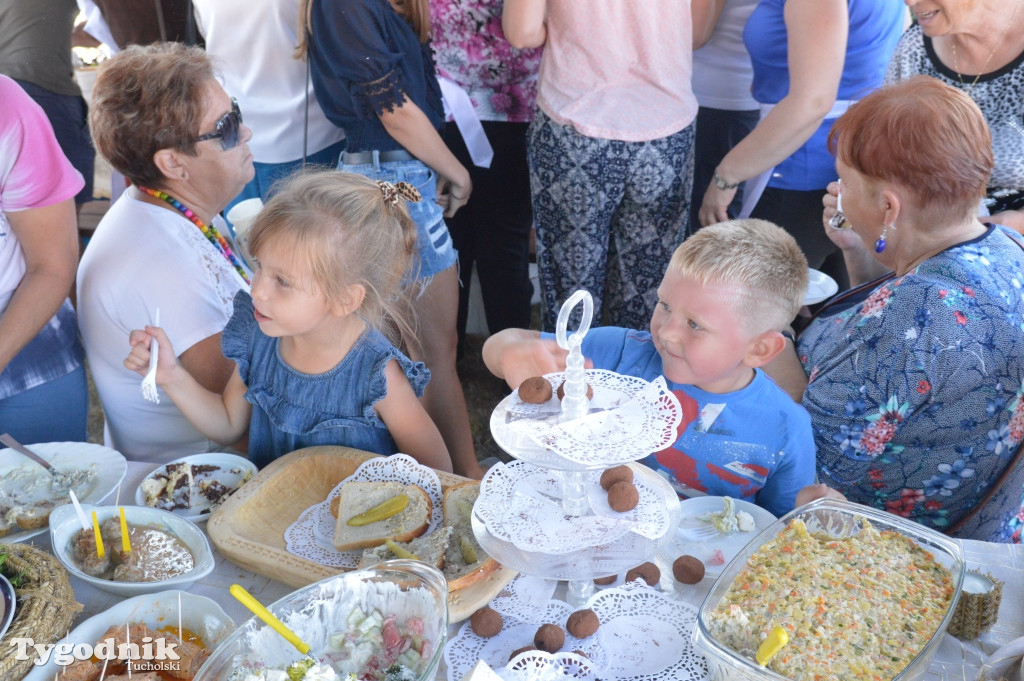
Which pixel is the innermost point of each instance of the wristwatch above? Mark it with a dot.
(722, 184)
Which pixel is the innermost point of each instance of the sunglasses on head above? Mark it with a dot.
(228, 128)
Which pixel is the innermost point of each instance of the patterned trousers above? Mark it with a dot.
(608, 216)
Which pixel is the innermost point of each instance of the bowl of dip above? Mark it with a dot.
(167, 552)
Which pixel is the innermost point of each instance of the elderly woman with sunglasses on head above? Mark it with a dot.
(160, 117)
(916, 374)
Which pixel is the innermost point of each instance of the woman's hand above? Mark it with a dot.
(844, 238)
(715, 206)
(452, 196)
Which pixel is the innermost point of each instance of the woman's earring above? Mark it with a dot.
(881, 243)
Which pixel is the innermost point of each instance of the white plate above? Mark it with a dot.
(728, 544)
(645, 635)
(199, 614)
(232, 471)
(109, 465)
(7, 605)
(820, 287)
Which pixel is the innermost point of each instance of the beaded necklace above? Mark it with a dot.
(209, 231)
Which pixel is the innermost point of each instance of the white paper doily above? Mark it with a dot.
(523, 597)
(644, 636)
(312, 535)
(537, 665)
(519, 503)
(650, 634)
(520, 625)
(644, 420)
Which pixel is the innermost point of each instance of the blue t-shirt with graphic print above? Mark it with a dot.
(753, 444)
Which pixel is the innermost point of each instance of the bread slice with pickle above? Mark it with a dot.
(465, 560)
(430, 548)
(356, 498)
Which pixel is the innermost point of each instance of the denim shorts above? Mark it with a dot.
(436, 252)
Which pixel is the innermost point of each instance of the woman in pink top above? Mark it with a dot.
(43, 393)
(610, 148)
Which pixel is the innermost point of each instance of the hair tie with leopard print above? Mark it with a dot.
(392, 192)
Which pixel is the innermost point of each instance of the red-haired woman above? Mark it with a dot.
(373, 75)
(916, 375)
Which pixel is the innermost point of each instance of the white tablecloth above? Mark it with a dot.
(955, 661)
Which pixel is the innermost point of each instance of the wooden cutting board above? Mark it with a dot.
(249, 527)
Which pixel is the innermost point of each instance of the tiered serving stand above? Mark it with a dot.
(545, 514)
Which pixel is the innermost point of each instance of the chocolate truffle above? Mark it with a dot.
(561, 391)
(521, 650)
(582, 623)
(535, 390)
(648, 572)
(550, 638)
(614, 475)
(623, 496)
(605, 581)
(688, 569)
(486, 622)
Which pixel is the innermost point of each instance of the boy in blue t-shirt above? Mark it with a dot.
(727, 296)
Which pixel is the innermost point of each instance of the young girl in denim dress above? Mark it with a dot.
(373, 74)
(314, 367)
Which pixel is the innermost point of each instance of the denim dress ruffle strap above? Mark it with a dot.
(292, 410)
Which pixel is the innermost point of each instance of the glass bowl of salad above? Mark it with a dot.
(832, 590)
(385, 623)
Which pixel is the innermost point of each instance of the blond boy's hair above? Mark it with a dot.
(346, 232)
(758, 256)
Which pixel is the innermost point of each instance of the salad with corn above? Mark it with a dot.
(858, 608)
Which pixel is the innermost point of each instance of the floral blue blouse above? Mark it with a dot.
(292, 410)
(915, 392)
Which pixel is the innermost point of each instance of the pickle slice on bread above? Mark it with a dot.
(356, 498)
(466, 562)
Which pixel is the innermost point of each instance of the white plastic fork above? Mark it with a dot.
(697, 533)
(149, 390)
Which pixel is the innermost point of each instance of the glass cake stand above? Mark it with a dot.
(545, 514)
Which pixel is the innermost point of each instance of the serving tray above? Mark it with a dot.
(248, 529)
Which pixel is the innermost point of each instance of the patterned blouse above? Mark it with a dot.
(915, 392)
(470, 49)
(999, 95)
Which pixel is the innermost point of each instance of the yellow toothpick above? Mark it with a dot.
(126, 544)
(99, 538)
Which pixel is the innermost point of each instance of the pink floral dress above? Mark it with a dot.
(470, 49)
(915, 393)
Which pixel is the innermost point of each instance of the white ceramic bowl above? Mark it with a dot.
(199, 614)
(233, 471)
(64, 524)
